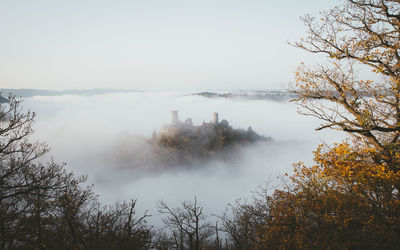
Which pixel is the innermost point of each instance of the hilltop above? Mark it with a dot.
(184, 142)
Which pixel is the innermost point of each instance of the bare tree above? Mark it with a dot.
(44, 206)
(117, 227)
(18, 174)
(245, 222)
(188, 225)
(16, 150)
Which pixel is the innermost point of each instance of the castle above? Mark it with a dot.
(188, 121)
(205, 128)
(202, 140)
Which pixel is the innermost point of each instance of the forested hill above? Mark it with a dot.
(181, 143)
(267, 95)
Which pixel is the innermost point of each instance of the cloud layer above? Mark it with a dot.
(103, 136)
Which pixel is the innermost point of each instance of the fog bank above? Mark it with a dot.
(103, 136)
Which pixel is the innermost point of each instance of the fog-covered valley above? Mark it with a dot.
(103, 135)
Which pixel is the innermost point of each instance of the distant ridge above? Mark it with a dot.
(268, 95)
(45, 92)
(4, 100)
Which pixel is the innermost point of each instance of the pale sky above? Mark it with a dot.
(151, 44)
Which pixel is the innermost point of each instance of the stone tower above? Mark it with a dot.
(175, 119)
(215, 118)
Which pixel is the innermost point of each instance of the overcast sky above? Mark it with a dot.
(151, 44)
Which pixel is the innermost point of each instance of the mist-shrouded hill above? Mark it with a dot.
(184, 143)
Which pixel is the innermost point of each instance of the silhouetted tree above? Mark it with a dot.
(188, 225)
(43, 206)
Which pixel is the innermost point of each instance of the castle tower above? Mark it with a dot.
(215, 118)
(175, 119)
(154, 136)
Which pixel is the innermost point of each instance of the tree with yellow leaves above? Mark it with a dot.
(345, 201)
(350, 198)
(361, 34)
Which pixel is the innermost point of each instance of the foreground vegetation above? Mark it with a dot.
(349, 199)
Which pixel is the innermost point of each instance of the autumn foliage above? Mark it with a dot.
(359, 36)
(350, 198)
(345, 200)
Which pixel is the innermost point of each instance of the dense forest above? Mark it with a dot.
(349, 198)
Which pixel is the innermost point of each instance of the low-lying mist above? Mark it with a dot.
(104, 136)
